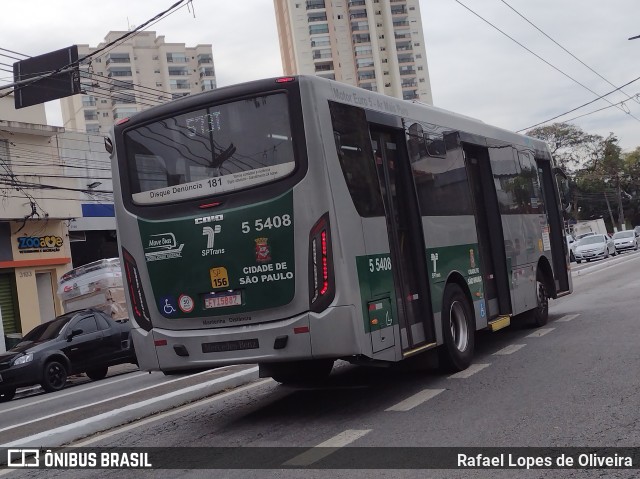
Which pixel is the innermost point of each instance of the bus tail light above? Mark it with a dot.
(321, 277)
(136, 293)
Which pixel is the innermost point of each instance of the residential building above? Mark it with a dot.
(140, 72)
(374, 44)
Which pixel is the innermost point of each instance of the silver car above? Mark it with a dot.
(626, 239)
(594, 247)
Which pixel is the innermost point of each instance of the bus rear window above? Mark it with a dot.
(211, 151)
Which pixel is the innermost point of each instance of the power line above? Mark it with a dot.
(554, 41)
(90, 55)
(583, 105)
(539, 57)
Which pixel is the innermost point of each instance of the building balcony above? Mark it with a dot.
(407, 72)
(317, 18)
(178, 73)
(365, 76)
(357, 3)
(318, 29)
(320, 43)
(321, 56)
(207, 72)
(120, 74)
(123, 101)
(315, 4)
(399, 11)
(362, 14)
(361, 39)
(204, 59)
(117, 60)
(119, 85)
(406, 60)
(409, 84)
(324, 67)
(403, 23)
(173, 58)
(369, 86)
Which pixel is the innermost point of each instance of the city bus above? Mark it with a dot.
(294, 221)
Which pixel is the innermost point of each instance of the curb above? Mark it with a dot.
(138, 410)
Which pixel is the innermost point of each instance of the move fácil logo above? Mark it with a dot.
(162, 246)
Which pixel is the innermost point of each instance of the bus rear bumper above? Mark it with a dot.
(330, 334)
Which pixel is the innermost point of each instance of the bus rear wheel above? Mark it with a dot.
(299, 372)
(458, 330)
(540, 314)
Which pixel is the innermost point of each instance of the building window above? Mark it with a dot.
(180, 84)
(88, 101)
(316, 29)
(208, 85)
(177, 58)
(178, 71)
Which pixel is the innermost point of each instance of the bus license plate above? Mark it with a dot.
(222, 300)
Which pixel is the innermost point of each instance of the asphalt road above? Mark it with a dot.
(573, 382)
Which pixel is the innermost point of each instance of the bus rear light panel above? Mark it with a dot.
(321, 278)
(136, 293)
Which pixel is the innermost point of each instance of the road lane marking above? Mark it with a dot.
(326, 448)
(129, 407)
(51, 397)
(159, 417)
(415, 400)
(512, 348)
(540, 332)
(103, 401)
(567, 317)
(470, 371)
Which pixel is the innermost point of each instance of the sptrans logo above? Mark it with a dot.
(39, 244)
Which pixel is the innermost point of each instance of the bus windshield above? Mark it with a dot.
(210, 151)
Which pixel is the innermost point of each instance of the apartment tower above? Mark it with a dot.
(141, 72)
(374, 44)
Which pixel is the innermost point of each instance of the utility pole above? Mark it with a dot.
(620, 209)
(613, 223)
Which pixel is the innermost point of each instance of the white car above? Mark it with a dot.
(594, 247)
(625, 239)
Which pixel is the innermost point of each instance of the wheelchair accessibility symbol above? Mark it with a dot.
(168, 305)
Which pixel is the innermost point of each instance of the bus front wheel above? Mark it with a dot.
(298, 372)
(458, 330)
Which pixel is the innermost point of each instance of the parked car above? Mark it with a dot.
(584, 235)
(84, 341)
(626, 239)
(571, 243)
(594, 247)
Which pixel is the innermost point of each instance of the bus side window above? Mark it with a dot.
(353, 147)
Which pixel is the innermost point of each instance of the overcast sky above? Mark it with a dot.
(475, 70)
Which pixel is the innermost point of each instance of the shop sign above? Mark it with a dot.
(39, 244)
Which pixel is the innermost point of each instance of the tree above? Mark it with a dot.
(570, 146)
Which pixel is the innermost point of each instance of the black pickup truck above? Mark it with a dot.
(84, 341)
